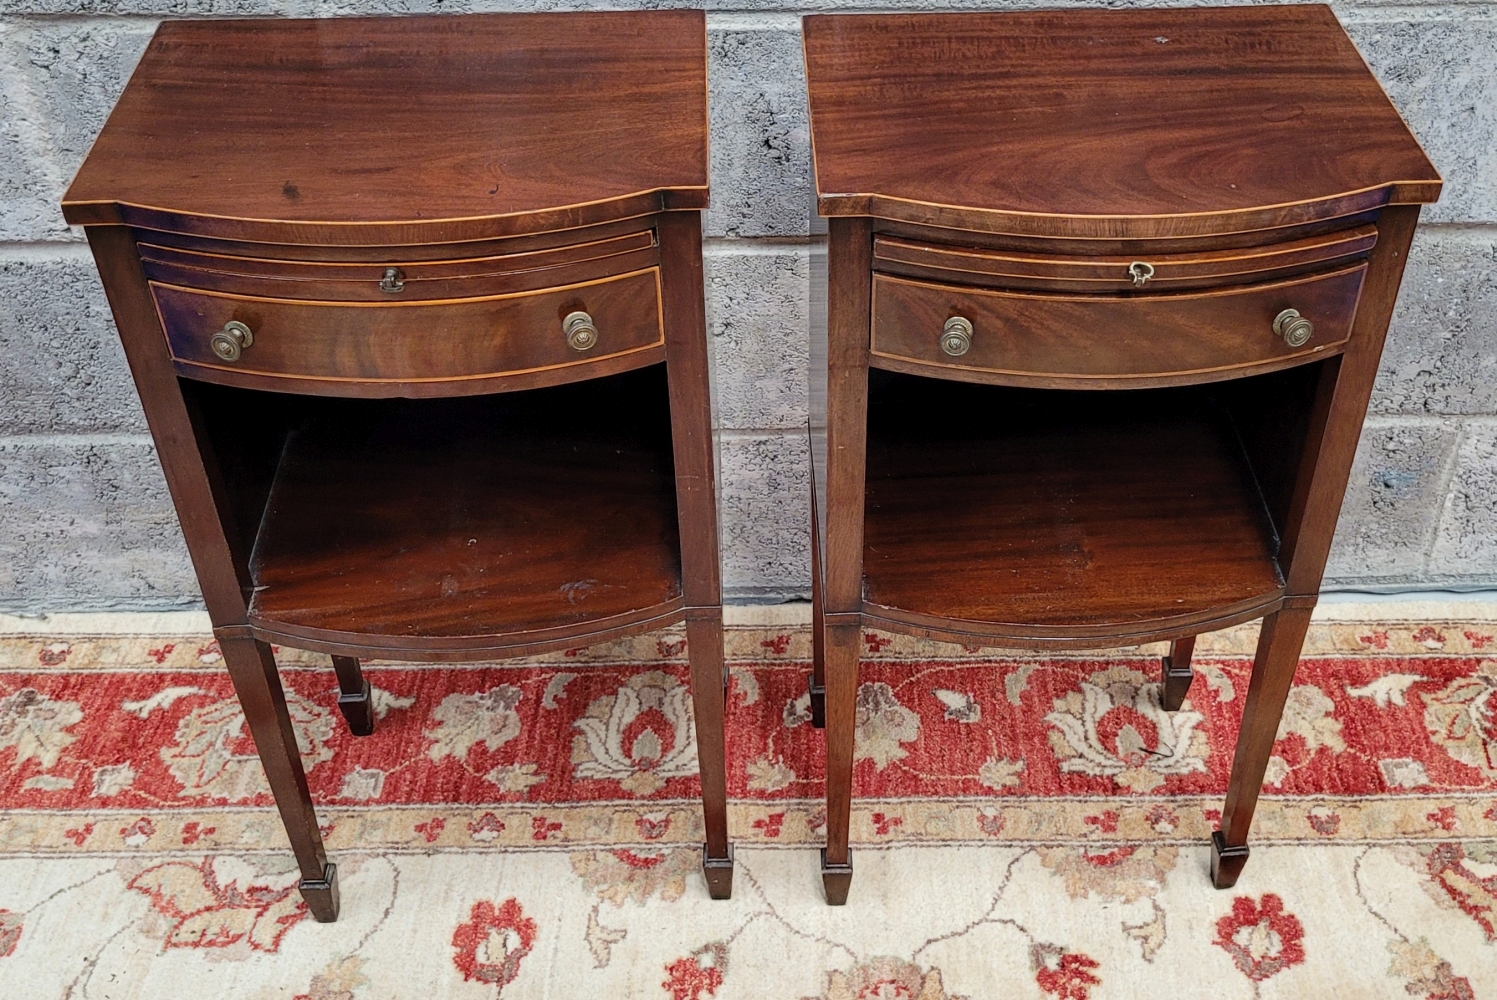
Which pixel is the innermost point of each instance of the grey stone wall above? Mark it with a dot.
(85, 521)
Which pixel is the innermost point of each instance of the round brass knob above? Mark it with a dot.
(1293, 327)
(956, 336)
(229, 343)
(580, 332)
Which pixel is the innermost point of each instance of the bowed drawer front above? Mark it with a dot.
(988, 335)
(535, 337)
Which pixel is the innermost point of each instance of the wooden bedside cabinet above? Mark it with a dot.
(1106, 293)
(414, 306)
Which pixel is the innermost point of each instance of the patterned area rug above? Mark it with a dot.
(1026, 825)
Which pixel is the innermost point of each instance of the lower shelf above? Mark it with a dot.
(448, 524)
(1062, 514)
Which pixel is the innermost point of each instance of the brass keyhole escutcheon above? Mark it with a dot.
(393, 280)
(1294, 328)
(580, 332)
(229, 343)
(956, 336)
(1140, 273)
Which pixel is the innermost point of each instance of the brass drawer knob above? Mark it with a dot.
(393, 280)
(1293, 327)
(580, 332)
(956, 336)
(229, 343)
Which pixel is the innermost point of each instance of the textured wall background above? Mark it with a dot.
(85, 521)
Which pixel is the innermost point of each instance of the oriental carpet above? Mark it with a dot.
(1026, 825)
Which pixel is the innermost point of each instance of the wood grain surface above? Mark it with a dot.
(400, 254)
(1093, 272)
(462, 275)
(443, 519)
(404, 130)
(1095, 123)
(1071, 511)
(361, 348)
(1098, 341)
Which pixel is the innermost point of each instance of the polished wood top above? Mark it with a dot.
(404, 130)
(1103, 123)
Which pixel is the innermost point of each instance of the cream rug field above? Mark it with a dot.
(1027, 826)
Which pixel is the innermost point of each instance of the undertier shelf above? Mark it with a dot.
(413, 522)
(1071, 513)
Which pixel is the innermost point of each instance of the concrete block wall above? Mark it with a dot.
(85, 521)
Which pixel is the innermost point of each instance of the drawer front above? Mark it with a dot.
(1074, 339)
(409, 343)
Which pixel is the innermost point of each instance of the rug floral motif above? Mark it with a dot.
(1024, 825)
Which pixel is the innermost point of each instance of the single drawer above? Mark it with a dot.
(397, 348)
(1014, 337)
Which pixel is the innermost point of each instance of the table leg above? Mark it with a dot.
(354, 700)
(253, 671)
(841, 724)
(1278, 653)
(1177, 673)
(704, 647)
(816, 685)
(849, 317)
(685, 326)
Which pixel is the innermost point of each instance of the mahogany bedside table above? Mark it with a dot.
(414, 306)
(1106, 295)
